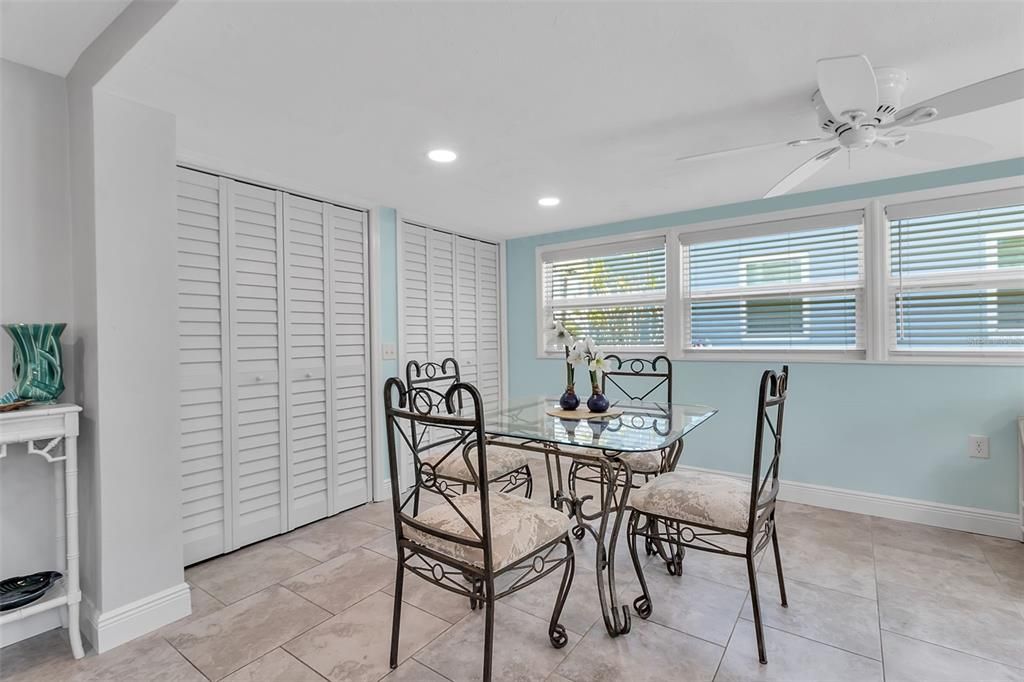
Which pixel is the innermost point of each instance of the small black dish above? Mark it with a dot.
(24, 589)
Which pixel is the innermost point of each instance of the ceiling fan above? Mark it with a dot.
(858, 107)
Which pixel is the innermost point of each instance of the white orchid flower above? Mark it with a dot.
(575, 355)
(598, 363)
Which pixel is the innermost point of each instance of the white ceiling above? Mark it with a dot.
(587, 101)
(49, 35)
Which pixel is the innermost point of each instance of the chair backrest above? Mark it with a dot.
(433, 379)
(771, 406)
(639, 378)
(464, 438)
(427, 383)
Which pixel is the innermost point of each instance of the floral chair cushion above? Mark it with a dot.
(697, 497)
(519, 527)
(500, 461)
(648, 462)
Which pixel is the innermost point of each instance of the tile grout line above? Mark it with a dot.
(300, 661)
(954, 650)
(878, 599)
(725, 649)
(279, 646)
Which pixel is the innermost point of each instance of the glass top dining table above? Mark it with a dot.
(596, 445)
(642, 425)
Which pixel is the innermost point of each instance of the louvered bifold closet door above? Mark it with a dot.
(415, 322)
(350, 320)
(441, 302)
(488, 324)
(257, 340)
(202, 337)
(310, 469)
(466, 305)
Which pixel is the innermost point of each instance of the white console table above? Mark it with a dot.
(43, 428)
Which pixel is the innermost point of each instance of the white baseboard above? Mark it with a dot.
(954, 517)
(112, 628)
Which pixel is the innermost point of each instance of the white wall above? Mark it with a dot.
(123, 221)
(35, 286)
(139, 462)
(88, 233)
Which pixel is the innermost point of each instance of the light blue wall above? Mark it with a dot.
(883, 428)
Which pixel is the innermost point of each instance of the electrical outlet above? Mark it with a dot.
(977, 446)
(388, 351)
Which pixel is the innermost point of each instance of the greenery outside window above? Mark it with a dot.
(614, 294)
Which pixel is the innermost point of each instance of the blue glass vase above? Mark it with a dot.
(569, 400)
(38, 360)
(597, 402)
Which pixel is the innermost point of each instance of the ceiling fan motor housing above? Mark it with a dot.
(891, 84)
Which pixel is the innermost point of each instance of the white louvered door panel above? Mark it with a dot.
(488, 324)
(202, 336)
(350, 332)
(466, 308)
(415, 295)
(310, 439)
(257, 337)
(441, 302)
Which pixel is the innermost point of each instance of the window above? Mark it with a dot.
(956, 275)
(614, 294)
(786, 285)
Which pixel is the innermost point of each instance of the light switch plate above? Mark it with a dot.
(388, 351)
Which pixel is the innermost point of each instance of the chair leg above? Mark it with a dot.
(556, 631)
(578, 531)
(416, 500)
(778, 561)
(641, 604)
(755, 604)
(396, 619)
(488, 629)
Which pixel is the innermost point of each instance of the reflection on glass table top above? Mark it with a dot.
(643, 425)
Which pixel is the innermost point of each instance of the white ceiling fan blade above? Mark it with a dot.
(941, 147)
(980, 95)
(753, 147)
(802, 172)
(848, 86)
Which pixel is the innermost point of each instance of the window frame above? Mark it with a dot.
(596, 247)
(875, 304)
(761, 225)
(979, 279)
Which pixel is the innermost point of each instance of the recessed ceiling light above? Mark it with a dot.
(549, 201)
(442, 155)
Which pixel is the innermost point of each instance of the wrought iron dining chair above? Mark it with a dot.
(636, 379)
(483, 545)
(696, 509)
(508, 469)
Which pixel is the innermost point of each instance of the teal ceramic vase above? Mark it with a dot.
(38, 361)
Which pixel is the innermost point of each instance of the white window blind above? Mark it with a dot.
(613, 294)
(784, 285)
(956, 276)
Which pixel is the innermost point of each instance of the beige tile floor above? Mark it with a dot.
(868, 597)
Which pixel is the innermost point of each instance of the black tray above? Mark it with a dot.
(24, 589)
